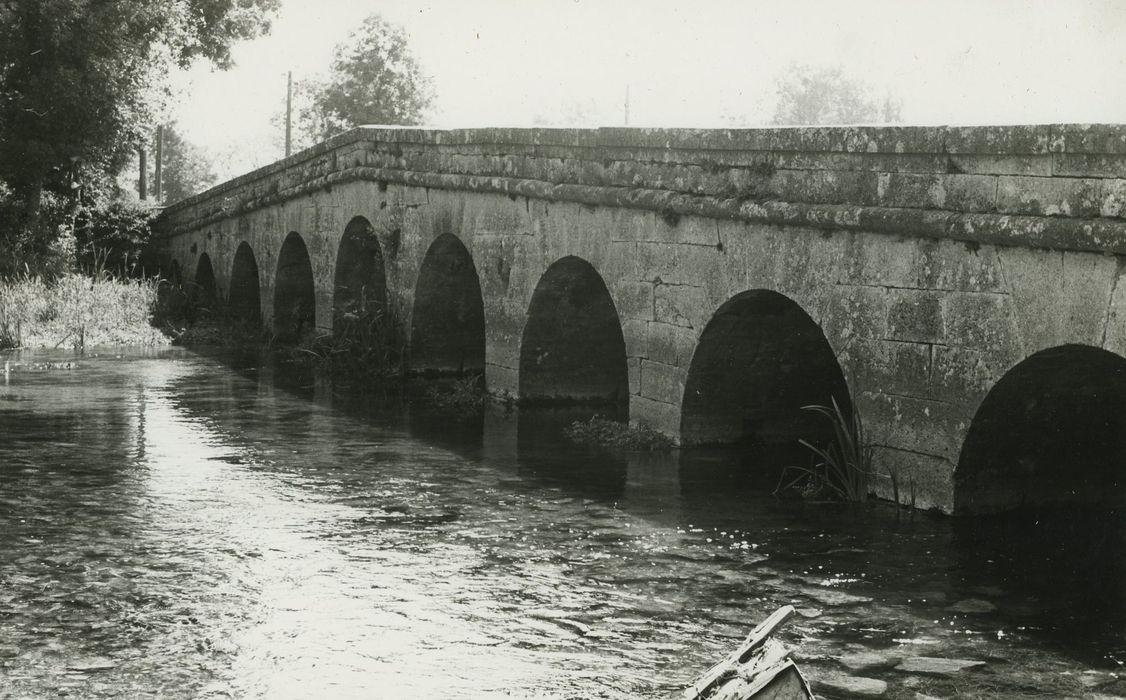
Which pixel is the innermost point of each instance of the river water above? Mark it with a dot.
(173, 527)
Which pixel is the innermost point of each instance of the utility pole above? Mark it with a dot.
(143, 182)
(288, 113)
(159, 165)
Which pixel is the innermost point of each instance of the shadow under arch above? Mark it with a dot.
(295, 302)
(572, 348)
(245, 300)
(204, 282)
(761, 358)
(360, 281)
(1051, 432)
(448, 323)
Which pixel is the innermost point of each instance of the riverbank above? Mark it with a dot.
(78, 311)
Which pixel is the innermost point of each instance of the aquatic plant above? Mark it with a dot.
(462, 396)
(842, 469)
(611, 433)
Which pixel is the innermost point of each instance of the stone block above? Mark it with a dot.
(1088, 165)
(1089, 138)
(635, 333)
(914, 424)
(1113, 201)
(978, 321)
(964, 374)
(977, 164)
(1049, 196)
(662, 382)
(924, 481)
(670, 344)
(855, 312)
(672, 263)
(633, 368)
(658, 415)
(887, 367)
(681, 305)
(633, 300)
(915, 316)
(997, 139)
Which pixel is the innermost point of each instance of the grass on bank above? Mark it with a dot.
(77, 311)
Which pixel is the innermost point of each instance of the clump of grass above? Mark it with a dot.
(461, 397)
(77, 311)
(366, 346)
(842, 469)
(610, 433)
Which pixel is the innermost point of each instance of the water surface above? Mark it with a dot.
(172, 527)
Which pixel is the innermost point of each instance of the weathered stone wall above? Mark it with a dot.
(934, 259)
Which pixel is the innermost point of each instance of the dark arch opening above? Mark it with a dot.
(245, 301)
(1051, 432)
(448, 326)
(295, 302)
(360, 283)
(204, 282)
(572, 348)
(759, 360)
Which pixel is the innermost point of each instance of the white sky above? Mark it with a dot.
(687, 62)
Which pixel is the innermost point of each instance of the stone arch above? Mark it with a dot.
(295, 301)
(245, 300)
(1051, 432)
(360, 282)
(572, 346)
(448, 323)
(204, 281)
(760, 358)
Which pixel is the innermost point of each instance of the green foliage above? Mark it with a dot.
(460, 397)
(826, 95)
(81, 85)
(366, 346)
(374, 80)
(610, 433)
(77, 311)
(113, 236)
(186, 169)
(841, 469)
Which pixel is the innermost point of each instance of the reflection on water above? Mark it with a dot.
(174, 527)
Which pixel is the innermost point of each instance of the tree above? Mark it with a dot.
(185, 168)
(374, 79)
(825, 95)
(83, 81)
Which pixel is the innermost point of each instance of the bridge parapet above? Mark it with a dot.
(1048, 186)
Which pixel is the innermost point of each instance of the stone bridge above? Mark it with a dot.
(958, 286)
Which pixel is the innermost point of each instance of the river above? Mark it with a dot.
(175, 526)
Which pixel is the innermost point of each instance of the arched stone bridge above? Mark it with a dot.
(959, 286)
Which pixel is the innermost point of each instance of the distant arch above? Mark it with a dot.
(295, 303)
(448, 323)
(204, 280)
(360, 282)
(1051, 432)
(572, 347)
(761, 358)
(245, 301)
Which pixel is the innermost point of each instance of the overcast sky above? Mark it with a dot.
(700, 63)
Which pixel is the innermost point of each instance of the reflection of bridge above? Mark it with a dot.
(959, 284)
